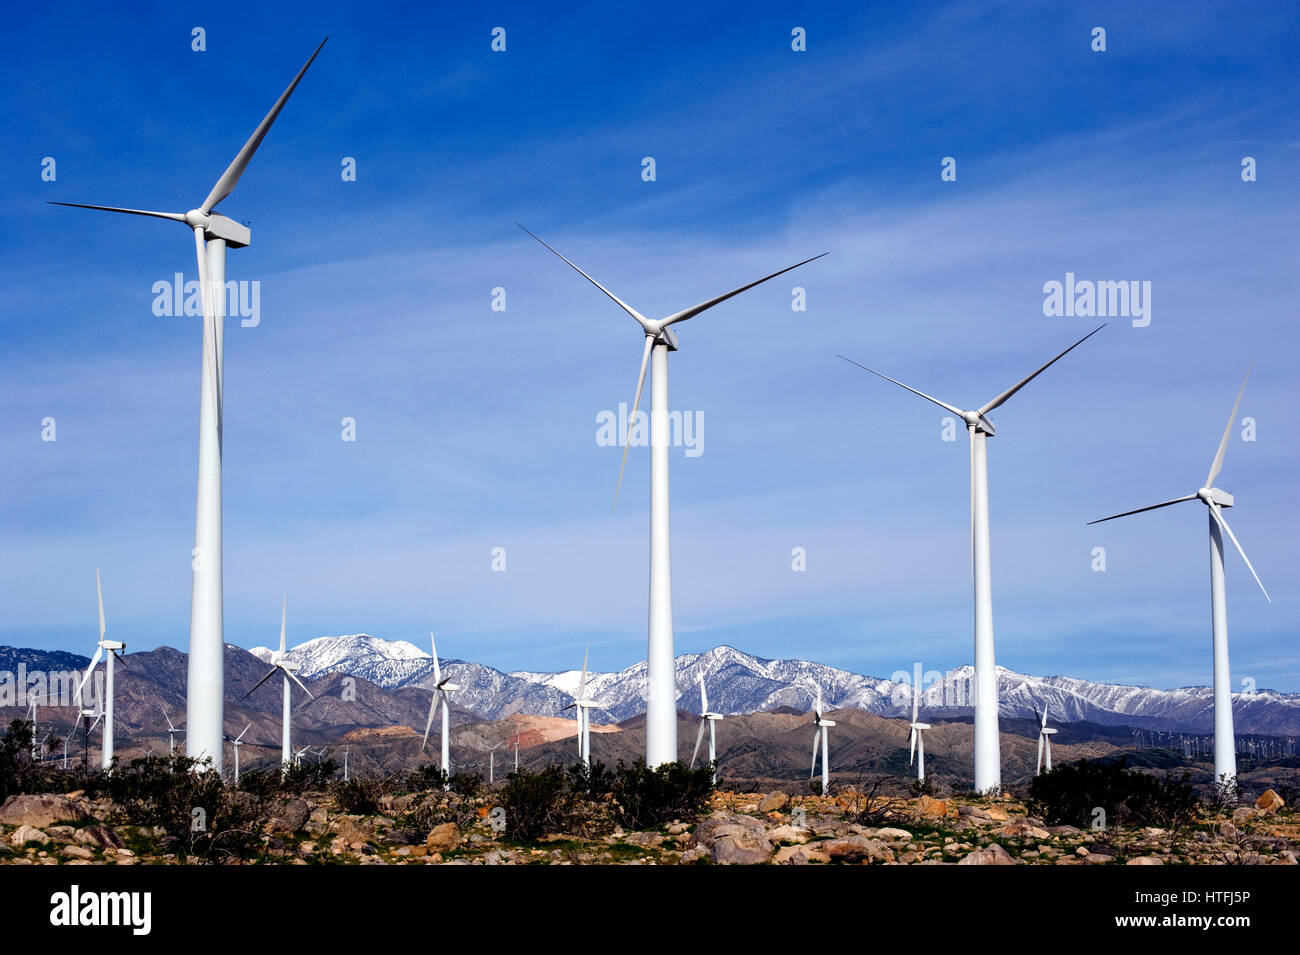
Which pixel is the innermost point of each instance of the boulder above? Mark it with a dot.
(43, 810)
(788, 834)
(354, 829)
(774, 802)
(443, 838)
(76, 852)
(693, 855)
(894, 835)
(289, 815)
(992, 854)
(101, 836)
(928, 806)
(708, 831)
(857, 849)
(973, 812)
(1146, 860)
(25, 834)
(1269, 802)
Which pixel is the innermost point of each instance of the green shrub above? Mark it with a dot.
(423, 779)
(359, 795)
(535, 803)
(468, 785)
(646, 798)
(593, 781)
(1070, 794)
(308, 777)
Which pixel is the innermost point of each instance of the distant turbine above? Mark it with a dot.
(1045, 734)
(1225, 760)
(988, 760)
(441, 687)
(114, 649)
(280, 662)
(820, 723)
(171, 732)
(492, 765)
(237, 742)
(584, 707)
(213, 232)
(660, 339)
(707, 717)
(297, 757)
(31, 718)
(345, 764)
(916, 744)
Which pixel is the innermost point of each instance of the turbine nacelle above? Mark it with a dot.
(216, 226)
(926, 726)
(1212, 495)
(978, 421)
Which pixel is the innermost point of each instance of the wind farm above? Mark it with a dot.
(790, 659)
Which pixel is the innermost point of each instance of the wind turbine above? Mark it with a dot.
(1045, 734)
(492, 766)
(171, 732)
(297, 757)
(281, 662)
(213, 232)
(584, 707)
(660, 339)
(237, 742)
(916, 744)
(820, 723)
(988, 759)
(114, 648)
(707, 717)
(441, 687)
(1225, 760)
(31, 718)
(516, 752)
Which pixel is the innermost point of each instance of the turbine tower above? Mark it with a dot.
(280, 662)
(916, 745)
(988, 759)
(213, 232)
(114, 648)
(1225, 758)
(171, 732)
(707, 717)
(237, 742)
(584, 707)
(820, 723)
(660, 339)
(441, 687)
(1045, 734)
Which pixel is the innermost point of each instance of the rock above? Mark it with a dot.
(677, 828)
(788, 834)
(25, 834)
(1146, 860)
(895, 835)
(354, 829)
(774, 802)
(994, 854)
(101, 836)
(1243, 814)
(289, 815)
(1228, 830)
(1064, 830)
(857, 849)
(740, 845)
(1269, 802)
(1082, 852)
(973, 812)
(42, 810)
(928, 806)
(443, 838)
(998, 814)
(320, 815)
(694, 855)
(646, 840)
(76, 852)
(708, 831)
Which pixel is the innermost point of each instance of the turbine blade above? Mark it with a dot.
(284, 603)
(1044, 715)
(1177, 500)
(94, 662)
(916, 702)
(1223, 522)
(175, 216)
(996, 402)
(245, 730)
(1217, 466)
(641, 319)
(226, 184)
(582, 685)
(293, 676)
(817, 739)
(259, 683)
(1040, 752)
(699, 738)
(942, 404)
(627, 439)
(970, 429)
(704, 696)
(437, 670)
(209, 320)
(99, 593)
(428, 725)
(694, 310)
(911, 754)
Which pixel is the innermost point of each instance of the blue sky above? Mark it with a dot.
(477, 428)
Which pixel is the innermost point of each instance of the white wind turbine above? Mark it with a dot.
(297, 757)
(280, 662)
(660, 339)
(492, 764)
(1045, 734)
(441, 687)
(584, 707)
(820, 736)
(988, 760)
(345, 764)
(916, 744)
(707, 717)
(114, 648)
(31, 718)
(237, 742)
(1225, 760)
(171, 732)
(213, 233)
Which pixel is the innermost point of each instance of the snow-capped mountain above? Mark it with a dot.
(739, 682)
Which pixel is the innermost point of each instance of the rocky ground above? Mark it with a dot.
(740, 829)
